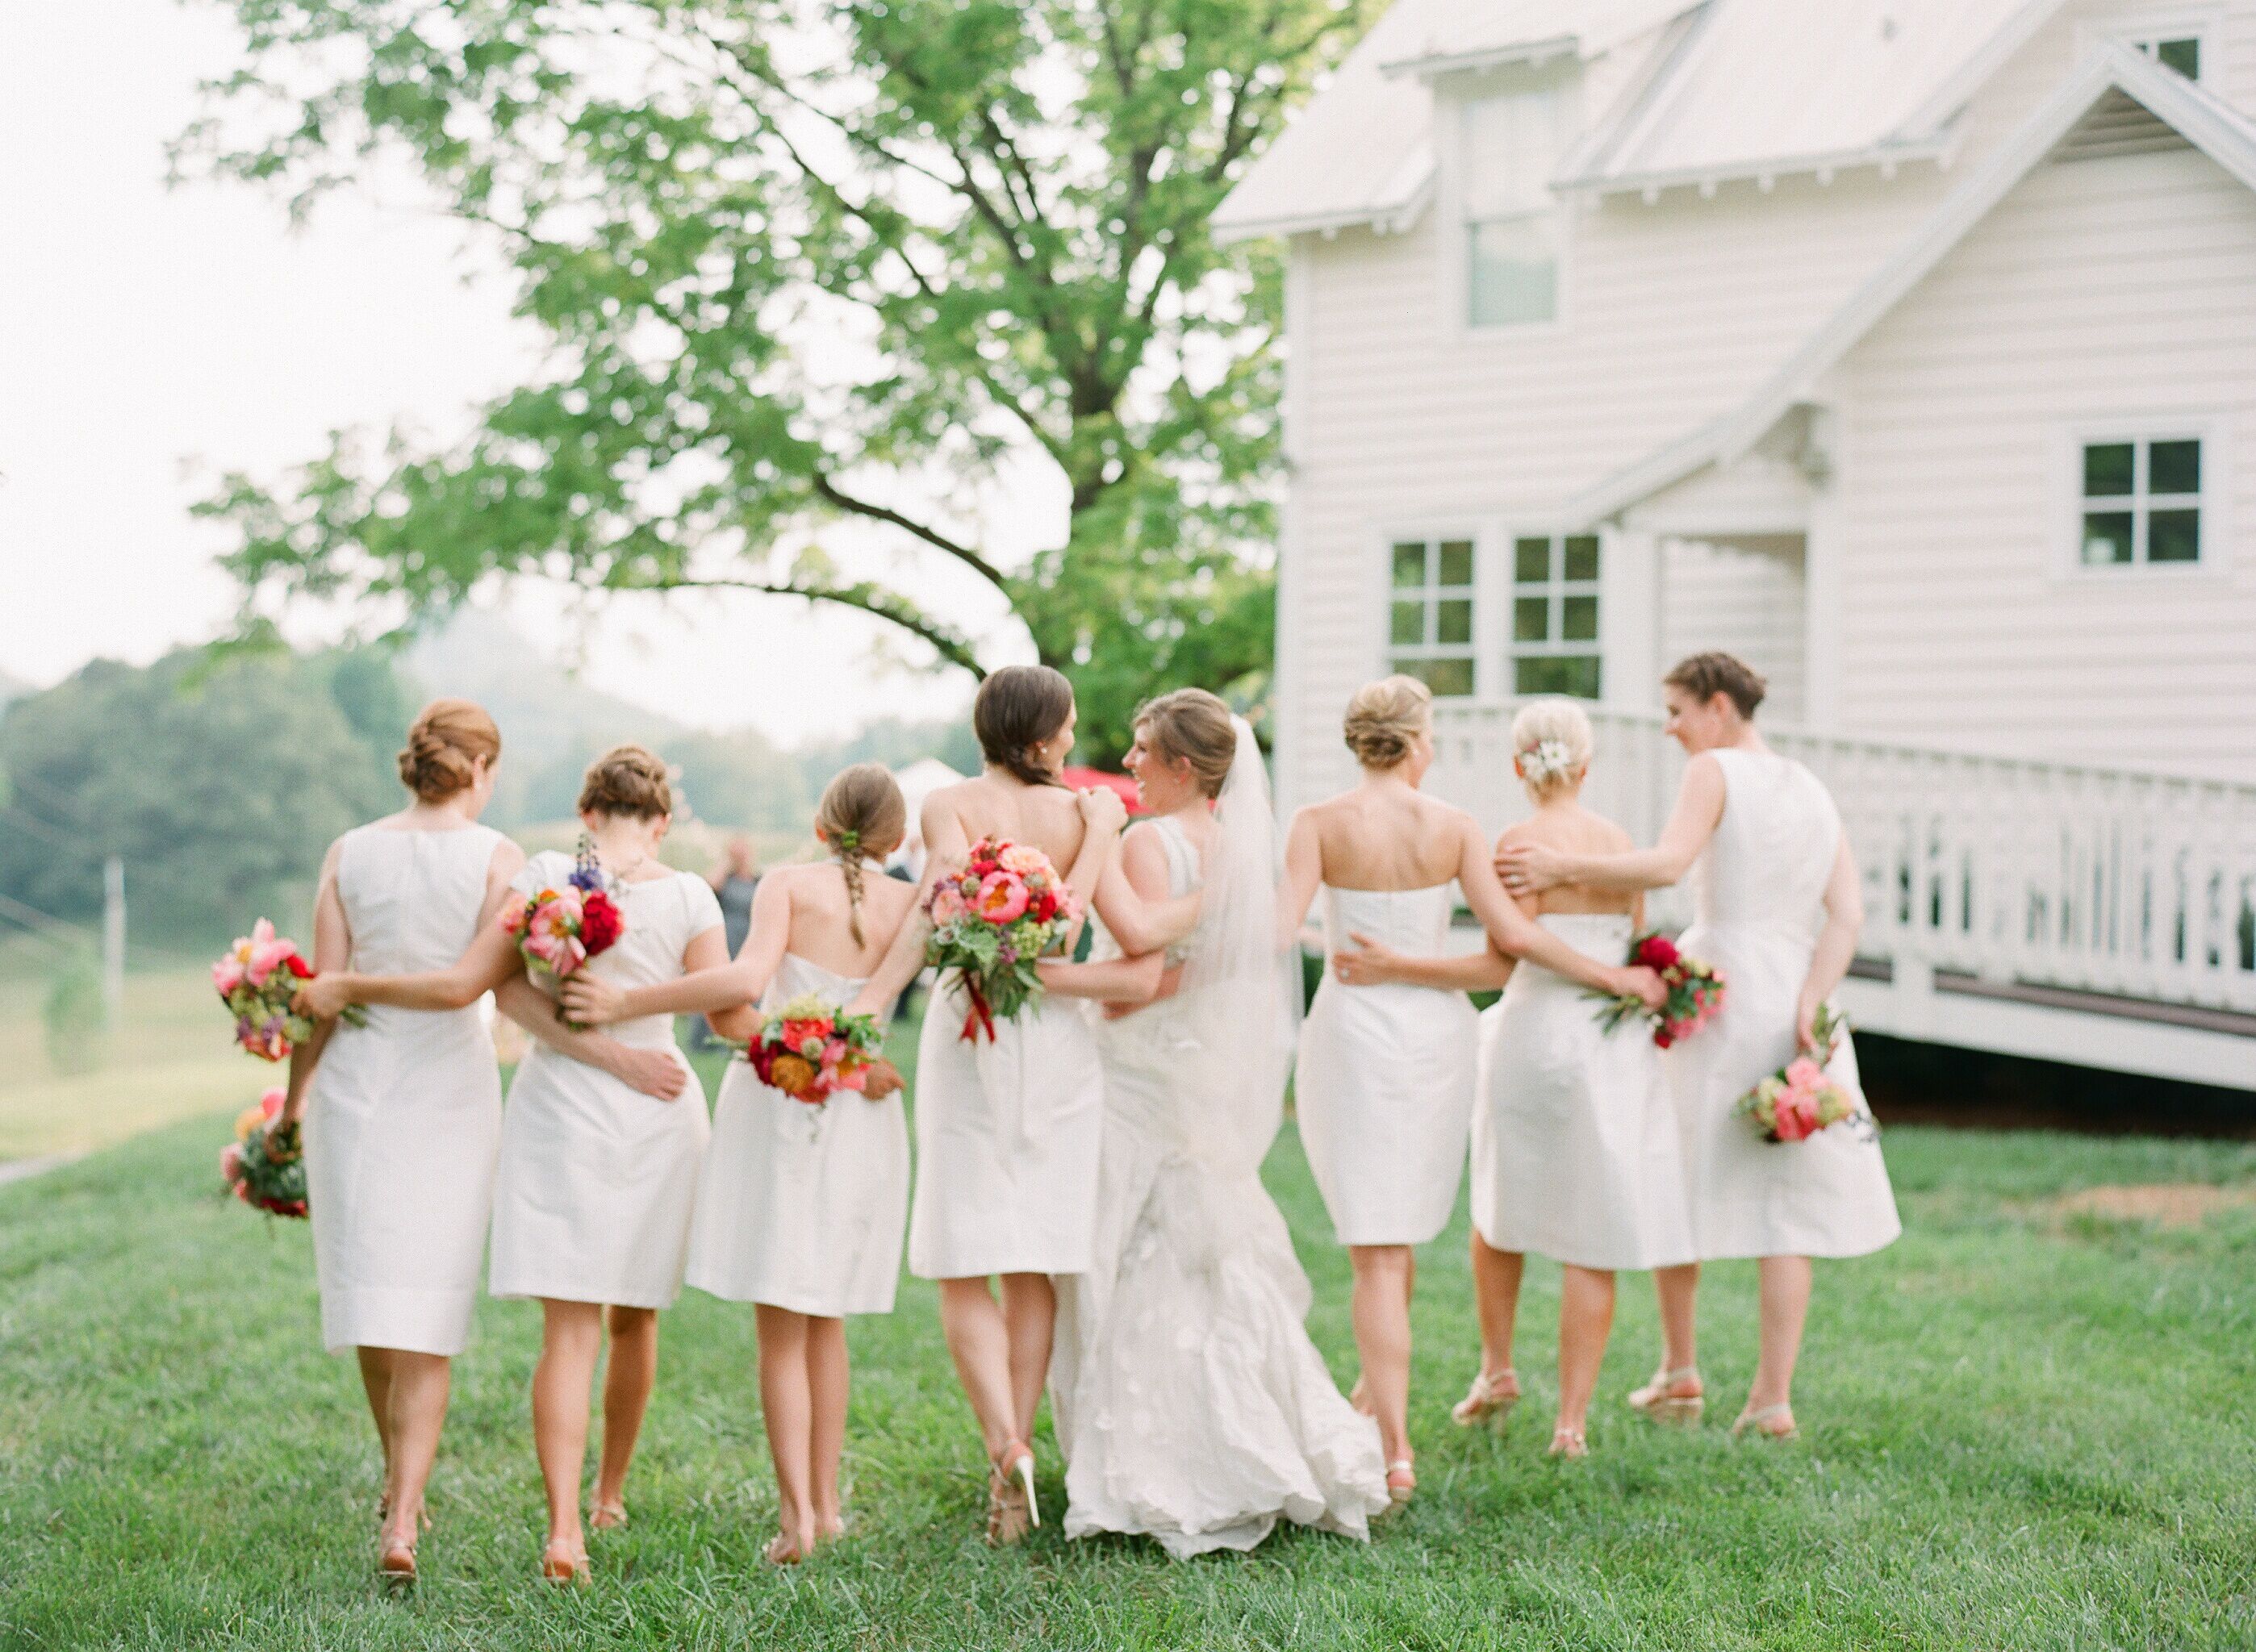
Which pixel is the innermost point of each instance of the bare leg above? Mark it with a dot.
(1679, 1290)
(788, 1409)
(627, 1384)
(1382, 1337)
(826, 1388)
(979, 1342)
(571, 1341)
(1496, 1297)
(1586, 1316)
(375, 1380)
(1785, 1286)
(1030, 1318)
(417, 1397)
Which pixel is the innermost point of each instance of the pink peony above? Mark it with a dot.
(231, 1162)
(1804, 1075)
(947, 905)
(226, 975)
(1003, 898)
(1796, 1117)
(271, 1103)
(1021, 859)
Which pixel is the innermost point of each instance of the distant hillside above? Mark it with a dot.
(14, 688)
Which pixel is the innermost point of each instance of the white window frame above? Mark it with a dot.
(2146, 34)
(2211, 432)
(1557, 588)
(1431, 594)
(1564, 83)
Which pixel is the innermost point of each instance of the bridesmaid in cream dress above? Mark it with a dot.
(1385, 1074)
(1574, 1148)
(1006, 1130)
(1778, 911)
(595, 1181)
(800, 1210)
(403, 1114)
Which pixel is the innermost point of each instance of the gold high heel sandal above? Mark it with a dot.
(1567, 1443)
(395, 1563)
(1012, 1508)
(1401, 1482)
(1656, 1401)
(608, 1517)
(564, 1565)
(1761, 1423)
(1488, 1400)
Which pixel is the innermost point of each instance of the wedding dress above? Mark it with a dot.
(1191, 1406)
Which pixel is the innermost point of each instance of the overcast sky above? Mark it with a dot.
(144, 331)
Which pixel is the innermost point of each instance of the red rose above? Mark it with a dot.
(1046, 907)
(299, 968)
(1657, 953)
(600, 923)
(1663, 1037)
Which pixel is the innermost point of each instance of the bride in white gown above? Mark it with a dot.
(1190, 1404)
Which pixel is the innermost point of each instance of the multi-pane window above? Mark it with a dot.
(1512, 144)
(2141, 502)
(1555, 615)
(2180, 53)
(1431, 618)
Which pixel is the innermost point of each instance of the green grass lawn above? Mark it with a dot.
(2022, 1429)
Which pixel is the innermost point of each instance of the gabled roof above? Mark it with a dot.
(2111, 73)
(1474, 36)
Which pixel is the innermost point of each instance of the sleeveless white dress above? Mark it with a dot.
(1759, 890)
(1190, 1404)
(801, 1208)
(404, 1117)
(1006, 1139)
(1384, 1086)
(1574, 1150)
(593, 1199)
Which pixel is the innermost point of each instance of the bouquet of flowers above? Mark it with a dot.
(256, 979)
(1799, 1099)
(991, 922)
(559, 930)
(266, 1172)
(1695, 991)
(810, 1050)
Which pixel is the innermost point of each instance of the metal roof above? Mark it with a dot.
(1472, 35)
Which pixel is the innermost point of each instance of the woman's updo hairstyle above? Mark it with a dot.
(1192, 726)
(1385, 719)
(1705, 676)
(628, 782)
(1552, 742)
(1017, 708)
(862, 814)
(444, 744)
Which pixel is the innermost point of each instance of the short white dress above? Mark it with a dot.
(798, 1206)
(593, 1199)
(403, 1117)
(1759, 894)
(1384, 1085)
(1574, 1148)
(1191, 1406)
(1006, 1141)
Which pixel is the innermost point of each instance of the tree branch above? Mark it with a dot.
(949, 643)
(830, 491)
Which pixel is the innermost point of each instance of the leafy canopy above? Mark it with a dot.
(908, 263)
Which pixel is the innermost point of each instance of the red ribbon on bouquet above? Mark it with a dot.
(979, 1017)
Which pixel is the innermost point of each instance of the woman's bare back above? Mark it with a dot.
(820, 931)
(1572, 829)
(1388, 839)
(1046, 818)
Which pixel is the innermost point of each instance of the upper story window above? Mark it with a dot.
(2142, 502)
(2179, 51)
(1431, 637)
(1555, 615)
(1514, 225)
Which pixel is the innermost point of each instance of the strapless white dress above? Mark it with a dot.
(1759, 893)
(1384, 1086)
(1191, 1406)
(1574, 1148)
(801, 1208)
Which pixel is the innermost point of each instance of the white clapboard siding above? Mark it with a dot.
(2099, 291)
(1747, 602)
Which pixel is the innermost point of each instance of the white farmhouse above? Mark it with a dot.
(1906, 347)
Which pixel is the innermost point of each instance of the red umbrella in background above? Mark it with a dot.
(1085, 779)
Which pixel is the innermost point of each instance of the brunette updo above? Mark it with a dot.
(1194, 726)
(1385, 719)
(628, 782)
(444, 744)
(1705, 676)
(1017, 709)
(862, 814)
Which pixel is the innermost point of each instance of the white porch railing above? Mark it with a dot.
(2014, 873)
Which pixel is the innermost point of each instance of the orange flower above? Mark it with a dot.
(793, 1075)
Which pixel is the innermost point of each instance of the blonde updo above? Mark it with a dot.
(628, 782)
(1192, 726)
(444, 744)
(1385, 719)
(862, 815)
(1551, 741)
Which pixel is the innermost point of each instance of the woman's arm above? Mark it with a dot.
(331, 951)
(1304, 875)
(1529, 869)
(729, 984)
(1376, 965)
(1140, 869)
(1512, 931)
(492, 958)
(1102, 819)
(1836, 943)
(655, 1072)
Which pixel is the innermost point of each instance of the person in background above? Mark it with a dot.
(734, 881)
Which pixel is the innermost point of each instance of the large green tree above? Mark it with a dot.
(999, 205)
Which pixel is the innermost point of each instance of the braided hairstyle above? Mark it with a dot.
(1016, 710)
(443, 746)
(862, 812)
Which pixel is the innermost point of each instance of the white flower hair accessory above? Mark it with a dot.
(1545, 761)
